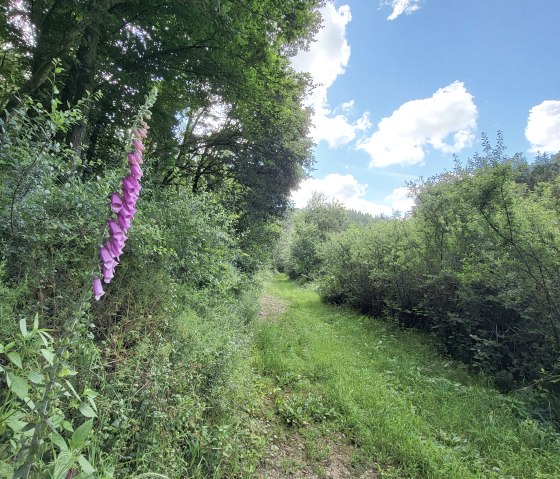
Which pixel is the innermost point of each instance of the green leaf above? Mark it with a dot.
(16, 359)
(48, 355)
(14, 422)
(67, 426)
(71, 389)
(36, 322)
(46, 338)
(23, 327)
(18, 385)
(59, 441)
(87, 410)
(65, 372)
(6, 470)
(79, 438)
(90, 393)
(62, 464)
(87, 468)
(36, 378)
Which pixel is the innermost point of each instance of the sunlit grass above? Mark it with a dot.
(405, 406)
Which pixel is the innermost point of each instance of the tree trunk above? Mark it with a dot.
(81, 79)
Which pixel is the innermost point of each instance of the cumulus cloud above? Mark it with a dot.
(350, 192)
(543, 127)
(400, 199)
(446, 122)
(325, 60)
(401, 7)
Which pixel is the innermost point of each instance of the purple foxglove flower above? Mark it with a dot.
(130, 199)
(138, 146)
(136, 171)
(138, 156)
(143, 132)
(132, 158)
(115, 230)
(131, 184)
(115, 246)
(116, 202)
(108, 273)
(125, 219)
(105, 255)
(97, 288)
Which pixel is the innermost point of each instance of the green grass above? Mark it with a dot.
(417, 414)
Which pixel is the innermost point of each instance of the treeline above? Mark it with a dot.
(152, 378)
(476, 263)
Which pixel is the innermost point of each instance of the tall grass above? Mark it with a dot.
(405, 406)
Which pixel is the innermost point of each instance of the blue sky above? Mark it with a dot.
(405, 84)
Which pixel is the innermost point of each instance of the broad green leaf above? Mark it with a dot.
(36, 322)
(59, 441)
(65, 372)
(6, 470)
(67, 426)
(87, 468)
(22, 471)
(87, 410)
(36, 378)
(18, 385)
(23, 327)
(79, 438)
(90, 393)
(62, 464)
(16, 359)
(14, 422)
(48, 355)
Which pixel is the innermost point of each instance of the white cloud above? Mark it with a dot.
(347, 105)
(401, 6)
(400, 200)
(326, 59)
(449, 114)
(349, 191)
(543, 127)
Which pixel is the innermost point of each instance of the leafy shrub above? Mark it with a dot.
(476, 264)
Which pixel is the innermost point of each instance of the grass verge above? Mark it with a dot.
(414, 413)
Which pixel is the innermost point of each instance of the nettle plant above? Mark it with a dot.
(46, 423)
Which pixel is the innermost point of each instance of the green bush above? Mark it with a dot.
(476, 264)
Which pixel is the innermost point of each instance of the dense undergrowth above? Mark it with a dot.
(476, 264)
(153, 378)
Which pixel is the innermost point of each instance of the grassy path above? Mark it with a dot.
(382, 402)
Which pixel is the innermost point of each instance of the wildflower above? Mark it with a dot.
(97, 288)
(135, 158)
(116, 202)
(115, 229)
(108, 272)
(124, 207)
(136, 171)
(105, 255)
(115, 246)
(125, 218)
